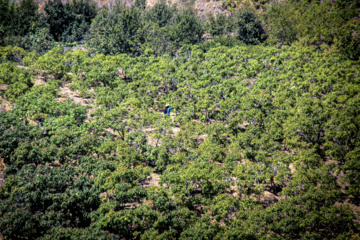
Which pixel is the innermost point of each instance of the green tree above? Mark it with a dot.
(69, 22)
(219, 25)
(4, 18)
(18, 80)
(17, 20)
(57, 17)
(40, 41)
(161, 13)
(47, 198)
(249, 27)
(27, 16)
(186, 27)
(115, 30)
(282, 20)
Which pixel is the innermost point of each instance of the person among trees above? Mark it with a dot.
(167, 109)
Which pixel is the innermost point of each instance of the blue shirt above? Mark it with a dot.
(168, 111)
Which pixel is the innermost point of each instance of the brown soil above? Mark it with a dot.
(154, 142)
(5, 105)
(251, 82)
(39, 81)
(3, 87)
(292, 169)
(152, 181)
(66, 92)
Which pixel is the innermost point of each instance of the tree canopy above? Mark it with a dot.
(262, 142)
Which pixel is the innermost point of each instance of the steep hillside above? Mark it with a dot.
(262, 142)
(157, 123)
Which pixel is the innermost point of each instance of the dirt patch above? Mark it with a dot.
(153, 180)
(150, 140)
(201, 137)
(5, 105)
(40, 80)
(292, 169)
(65, 91)
(251, 82)
(175, 131)
(153, 141)
(3, 87)
(268, 198)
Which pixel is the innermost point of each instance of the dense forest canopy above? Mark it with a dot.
(262, 142)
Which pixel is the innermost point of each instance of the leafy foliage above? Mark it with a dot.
(16, 20)
(114, 30)
(262, 141)
(249, 27)
(18, 80)
(219, 25)
(69, 22)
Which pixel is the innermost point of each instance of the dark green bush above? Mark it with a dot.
(115, 30)
(186, 27)
(249, 27)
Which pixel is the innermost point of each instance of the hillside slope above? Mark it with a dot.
(263, 142)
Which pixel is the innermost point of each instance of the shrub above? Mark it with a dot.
(186, 27)
(115, 30)
(18, 80)
(249, 27)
